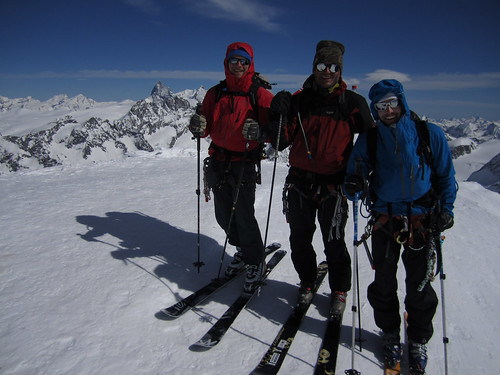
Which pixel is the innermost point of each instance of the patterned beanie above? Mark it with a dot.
(329, 51)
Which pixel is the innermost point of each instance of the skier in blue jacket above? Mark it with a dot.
(405, 204)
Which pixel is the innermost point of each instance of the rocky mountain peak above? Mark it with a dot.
(161, 91)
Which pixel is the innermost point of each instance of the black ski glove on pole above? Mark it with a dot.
(197, 125)
(444, 221)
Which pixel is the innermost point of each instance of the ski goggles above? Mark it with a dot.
(322, 66)
(235, 60)
(383, 106)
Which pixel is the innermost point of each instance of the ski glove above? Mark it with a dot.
(281, 103)
(354, 184)
(279, 110)
(251, 130)
(198, 125)
(444, 221)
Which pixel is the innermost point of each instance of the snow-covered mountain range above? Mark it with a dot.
(65, 130)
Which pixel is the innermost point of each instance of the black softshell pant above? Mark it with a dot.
(244, 231)
(302, 213)
(382, 293)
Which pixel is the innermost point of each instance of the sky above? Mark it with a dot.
(446, 54)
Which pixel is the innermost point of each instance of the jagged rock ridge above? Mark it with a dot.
(67, 141)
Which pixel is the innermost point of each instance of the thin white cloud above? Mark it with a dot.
(381, 74)
(251, 12)
(439, 81)
(445, 81)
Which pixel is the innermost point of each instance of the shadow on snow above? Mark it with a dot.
(143, 236)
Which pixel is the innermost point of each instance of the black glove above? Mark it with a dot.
(197, 125)
(251, 130)
(354, 184)
(444, 221)
(281, 103)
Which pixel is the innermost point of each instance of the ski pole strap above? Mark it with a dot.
(338, 213)
(355, 215)
(206, 187)
(430, 262)
(439, 238)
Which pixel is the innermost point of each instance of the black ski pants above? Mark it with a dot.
(302, 213)
(383, 292)
(244, 231)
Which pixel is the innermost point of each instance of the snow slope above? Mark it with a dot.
(90, 253)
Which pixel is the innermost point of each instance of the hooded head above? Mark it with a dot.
(329, 51)
(385, 90)
(243, 50)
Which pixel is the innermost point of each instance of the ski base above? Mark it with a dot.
(195, 298)
(274, 357)
(218, 330)
(327, 358)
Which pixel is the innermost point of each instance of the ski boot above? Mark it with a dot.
(254, 277)
(236, 264)
(417, 358)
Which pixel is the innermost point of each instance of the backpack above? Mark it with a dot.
(424, 144)
(257, 81)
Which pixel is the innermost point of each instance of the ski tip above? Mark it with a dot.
(273, 245)
(164, 315)
(200, 347)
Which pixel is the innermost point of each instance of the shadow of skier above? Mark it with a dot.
(134, 235)
(143, 236)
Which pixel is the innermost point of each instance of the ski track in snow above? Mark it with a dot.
(89, 254)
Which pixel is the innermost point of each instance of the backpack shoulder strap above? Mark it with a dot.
(219, 89)
(257, 81)
(371, 145)
(424, 140)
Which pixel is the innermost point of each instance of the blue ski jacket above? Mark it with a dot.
(400, 177)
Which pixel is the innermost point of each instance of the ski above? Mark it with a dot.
(195, 298)
(218, 330)
(274, 357)
(327, 357)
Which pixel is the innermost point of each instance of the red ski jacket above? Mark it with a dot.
(227, 113)
(321, 128)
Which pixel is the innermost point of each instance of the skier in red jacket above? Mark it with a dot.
(228, 110)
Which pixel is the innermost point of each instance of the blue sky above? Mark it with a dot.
(446, 53)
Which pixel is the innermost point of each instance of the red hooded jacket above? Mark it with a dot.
(226, 116)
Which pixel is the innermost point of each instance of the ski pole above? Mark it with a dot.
(360, 339)
(352, 371)
(233, 207)
(199, 263)
(442, 277)
(272, 179)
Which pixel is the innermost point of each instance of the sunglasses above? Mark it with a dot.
(322, 66)
(383, 106)
(235, 60)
